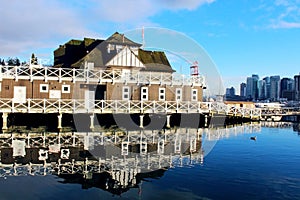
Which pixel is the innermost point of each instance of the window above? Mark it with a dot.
(6, 87)
(144, 94)
(126, 93)
(44, 87)
(162, 94)
(178, 94)
(65, 89)
(194, 95)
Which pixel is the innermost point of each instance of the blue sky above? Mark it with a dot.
(242, 37)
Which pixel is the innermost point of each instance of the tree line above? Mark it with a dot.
(16, 61)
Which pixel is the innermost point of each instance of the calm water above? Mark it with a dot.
(236, 168)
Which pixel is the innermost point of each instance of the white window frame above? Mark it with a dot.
(124, 93)
(65, 86)
(178, 94)
(161, 93)
(42, 90)
(194, 97)
(144, 93)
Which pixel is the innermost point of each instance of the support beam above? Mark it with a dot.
(168, 121)
(92, 126)
(141, 121)
(59, 125)
(4, 118)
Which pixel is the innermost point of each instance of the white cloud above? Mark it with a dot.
(139, 10)
(288, 16)
(284, 25)
(34, 24)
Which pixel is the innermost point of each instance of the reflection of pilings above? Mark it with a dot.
(4, 118)
(59, 124)
(168, 121)
(89, 139)
(92, 127)
(141, 121)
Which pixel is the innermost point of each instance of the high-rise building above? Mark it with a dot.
(274, 87)
(261, 89)
(297, 87)
(251, 88)
(286, 88)
(230, 92)
(267, 87)
(243, 89)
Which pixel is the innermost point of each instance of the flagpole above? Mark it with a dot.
(143, 38)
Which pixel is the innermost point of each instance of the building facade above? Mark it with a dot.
(91, 69)
(274, 87)
(297, 87)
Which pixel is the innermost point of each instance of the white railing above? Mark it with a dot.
(120, 106)
(96, 76)
(280, 111)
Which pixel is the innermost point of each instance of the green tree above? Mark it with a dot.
(17, 62)
(10, 61)
(33, 60)
(13, 61)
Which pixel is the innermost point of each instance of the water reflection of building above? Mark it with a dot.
(114, 161)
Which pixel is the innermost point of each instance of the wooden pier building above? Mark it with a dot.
(105, 76)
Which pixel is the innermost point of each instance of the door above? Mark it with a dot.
(89, 98)
(19, 94)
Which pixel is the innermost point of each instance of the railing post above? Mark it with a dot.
(100, 76)
(16, 73)
(59, 74)
(142, 107)
(31, 75)
(166, 106)
(102, 105)
(28, 105)
(59, 105)
(44, 105)
(1, 73)
(46, 74)
(74, 104)
(129, 106)
(74, 75)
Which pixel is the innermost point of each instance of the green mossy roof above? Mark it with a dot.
(155, 61)
(117, 38)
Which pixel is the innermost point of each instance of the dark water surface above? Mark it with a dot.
(236, 168)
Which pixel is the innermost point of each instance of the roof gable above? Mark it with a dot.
(118, 38)
(125, 58)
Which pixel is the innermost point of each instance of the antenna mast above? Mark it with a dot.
(143, 38)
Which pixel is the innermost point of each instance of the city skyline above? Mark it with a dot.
(272, 88)
(258, 37)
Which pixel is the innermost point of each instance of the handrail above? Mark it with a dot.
(123, 106)
(100, 76)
